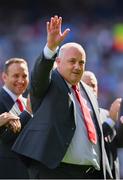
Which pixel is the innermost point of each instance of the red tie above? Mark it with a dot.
(20, 105)
(87, 117)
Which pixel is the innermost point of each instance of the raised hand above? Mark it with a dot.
(115, 109)
(54, 34)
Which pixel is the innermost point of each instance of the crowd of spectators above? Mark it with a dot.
(22, 39)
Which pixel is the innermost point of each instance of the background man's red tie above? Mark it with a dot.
(87, 117)
(20, 105)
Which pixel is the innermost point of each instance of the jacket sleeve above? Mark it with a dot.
(119, 129)
(40, 79)
(108, 131)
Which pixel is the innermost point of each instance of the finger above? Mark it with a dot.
(51, 23)
(65, 33)
(48, 26)
(54, 22)
(18, 125)
(12, 116)
(15, 126)
(59, 23)
(12, 126)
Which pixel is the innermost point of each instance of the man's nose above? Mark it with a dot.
(77, 66)
(20, 80)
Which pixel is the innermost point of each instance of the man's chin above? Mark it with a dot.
(18, 93)
(75, 82)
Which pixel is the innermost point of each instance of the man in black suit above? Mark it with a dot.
(111, 144)
(60, 146)
(16, 79)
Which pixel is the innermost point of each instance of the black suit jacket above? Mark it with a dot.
(53, 125)
(10, 164)
(112, 143)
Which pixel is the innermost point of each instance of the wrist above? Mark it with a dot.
(48, 53)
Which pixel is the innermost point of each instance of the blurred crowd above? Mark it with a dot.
(100, 39)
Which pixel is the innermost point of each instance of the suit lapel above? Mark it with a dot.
(9, 103)
(60, 82)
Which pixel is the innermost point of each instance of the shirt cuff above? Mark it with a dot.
(29, 113)
(48, 53)
(110, 122)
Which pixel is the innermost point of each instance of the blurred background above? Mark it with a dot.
(96, 24)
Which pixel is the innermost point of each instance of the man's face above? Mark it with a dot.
(71, 65)
(16, 78)
(91, 81)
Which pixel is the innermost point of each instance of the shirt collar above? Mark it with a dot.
(69, 85)
(13, 96)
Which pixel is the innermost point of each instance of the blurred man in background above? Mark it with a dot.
(111, 144)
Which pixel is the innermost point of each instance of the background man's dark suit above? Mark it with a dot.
(7, 138)
(112, 143)
(111, 136)
(53, 125)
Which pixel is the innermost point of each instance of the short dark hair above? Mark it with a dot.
(12, 61)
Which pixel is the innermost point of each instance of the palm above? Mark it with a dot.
(54, 35)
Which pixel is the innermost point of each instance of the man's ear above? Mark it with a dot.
(4, 76)
(57, 60)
